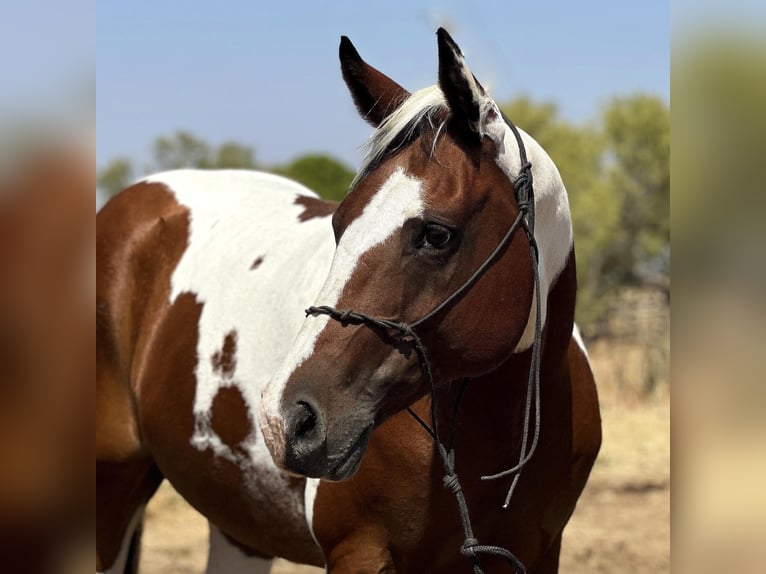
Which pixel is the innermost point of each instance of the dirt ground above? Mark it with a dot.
(622, 522)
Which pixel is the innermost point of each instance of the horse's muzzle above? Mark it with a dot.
(298, 442)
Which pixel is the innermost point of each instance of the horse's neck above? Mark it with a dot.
(496, 400)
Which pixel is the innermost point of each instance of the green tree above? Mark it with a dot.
(617, 176)
(179, 150)
(232, 155)
(182, 149)
(637, 131)
(578, 152)
(116, 176)
(322, 174)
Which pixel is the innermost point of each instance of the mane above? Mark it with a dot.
(425, 112)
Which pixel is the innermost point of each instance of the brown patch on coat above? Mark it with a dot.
(225, 361)
(230, 417)
(315, 207)
(217, 487)
(257, 263)
(141, 235)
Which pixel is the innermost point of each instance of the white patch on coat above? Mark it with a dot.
(225, 558)
(553, 222)
(118, 567)
(398, 199)
(237, 217)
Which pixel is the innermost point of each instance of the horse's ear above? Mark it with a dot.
(375, 94)
(463, 92)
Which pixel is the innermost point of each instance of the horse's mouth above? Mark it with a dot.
(349, 462)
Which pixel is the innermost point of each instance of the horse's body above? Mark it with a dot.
(182, 357)
(202, 280)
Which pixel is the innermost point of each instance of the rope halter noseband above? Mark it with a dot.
(405, 332)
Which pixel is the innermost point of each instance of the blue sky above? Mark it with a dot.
(266, 73)
(47, 59)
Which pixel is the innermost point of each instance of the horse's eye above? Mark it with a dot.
(435, 236)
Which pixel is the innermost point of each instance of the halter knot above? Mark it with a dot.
(406, 334)
(344, 316)
(523, 185)
(452, 483)
(468, 548)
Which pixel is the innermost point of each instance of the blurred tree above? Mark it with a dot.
(617, 177)
(115, 177)
(322, 174)
(637, 130)
(578, 153)
(180, 150)
(232, 155)
(720, 137)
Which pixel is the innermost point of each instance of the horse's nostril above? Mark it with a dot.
(305, 444)
(306, 419)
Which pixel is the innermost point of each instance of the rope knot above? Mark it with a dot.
(344, 316)
(452, 483)
(523, 185)
(468, 549)
(524, 205)
(406, 334)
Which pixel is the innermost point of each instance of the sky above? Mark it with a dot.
(266, 74)
(47, 60)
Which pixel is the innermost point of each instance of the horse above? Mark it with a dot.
(315, 438)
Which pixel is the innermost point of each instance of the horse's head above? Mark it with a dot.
(433, 200)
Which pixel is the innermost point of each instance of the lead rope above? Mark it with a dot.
(471, 548)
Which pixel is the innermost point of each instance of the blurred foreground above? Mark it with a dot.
(47, 279)
(719, 253)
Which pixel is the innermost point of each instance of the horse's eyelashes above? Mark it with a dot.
(435, 236)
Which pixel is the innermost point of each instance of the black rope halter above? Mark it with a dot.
(405, 332)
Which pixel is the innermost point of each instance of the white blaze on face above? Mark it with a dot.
(399, 199)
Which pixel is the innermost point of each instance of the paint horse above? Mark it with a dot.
(289, 433)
